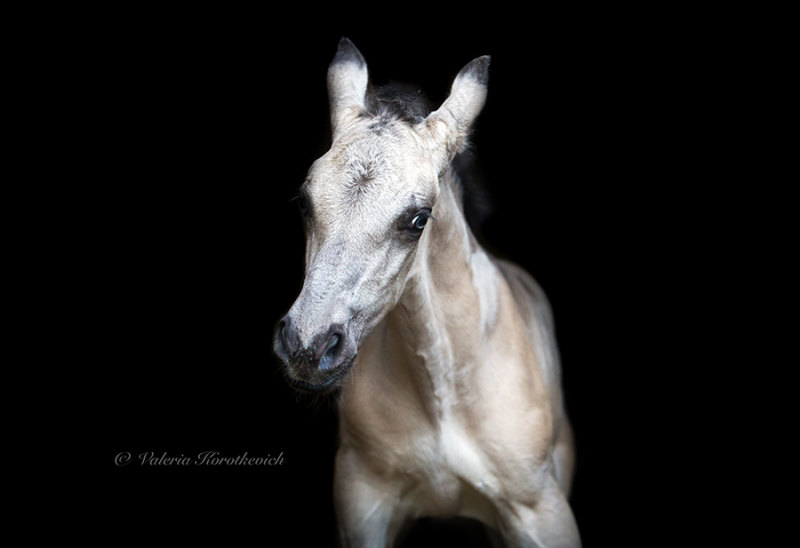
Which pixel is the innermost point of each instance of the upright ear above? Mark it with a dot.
(347, 85)
(450, 123)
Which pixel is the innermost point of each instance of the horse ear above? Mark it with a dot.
(450, 123)
(347, 84)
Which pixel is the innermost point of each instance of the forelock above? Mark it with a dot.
(396, 101)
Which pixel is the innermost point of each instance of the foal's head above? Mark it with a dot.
(367, 205)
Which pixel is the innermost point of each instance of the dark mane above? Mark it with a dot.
(475, 197)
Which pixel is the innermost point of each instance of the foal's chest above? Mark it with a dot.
(445, 473)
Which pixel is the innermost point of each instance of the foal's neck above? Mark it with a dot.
(449, 301)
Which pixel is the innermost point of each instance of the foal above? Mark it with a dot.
(444, 357)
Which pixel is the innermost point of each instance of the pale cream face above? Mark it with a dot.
(366, 203)
(369, 204)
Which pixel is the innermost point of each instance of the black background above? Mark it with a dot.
(204, 126)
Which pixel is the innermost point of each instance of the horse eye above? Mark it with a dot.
(302, 203)
(419, 221)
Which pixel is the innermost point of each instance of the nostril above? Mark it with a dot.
(330, 351)
(287, 337)
(333, 344)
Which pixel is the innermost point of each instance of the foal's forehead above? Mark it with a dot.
(376, 154)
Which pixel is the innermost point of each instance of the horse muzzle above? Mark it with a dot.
(319, 364)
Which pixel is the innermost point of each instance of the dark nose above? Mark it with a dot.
(323, 353)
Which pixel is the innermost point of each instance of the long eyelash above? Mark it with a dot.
(431, 217)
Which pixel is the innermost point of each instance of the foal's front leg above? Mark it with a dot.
(547, 524)
(365, 505)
